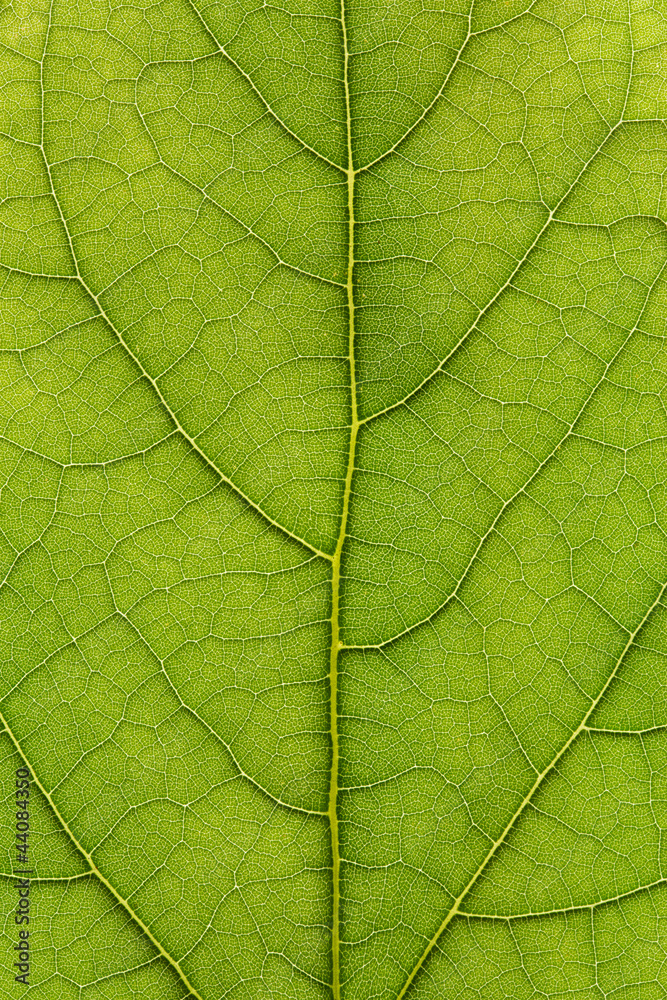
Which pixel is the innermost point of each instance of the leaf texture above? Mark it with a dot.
(334, 508)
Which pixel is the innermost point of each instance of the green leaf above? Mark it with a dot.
(334, 510)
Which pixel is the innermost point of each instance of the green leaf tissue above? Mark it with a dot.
(333, 510)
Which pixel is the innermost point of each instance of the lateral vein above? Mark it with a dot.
(95, 870)
(549, 220)
(172, 416)
(223, 52)
(569, 432)
(456, 906)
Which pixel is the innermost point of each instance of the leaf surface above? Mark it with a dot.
(333, 536)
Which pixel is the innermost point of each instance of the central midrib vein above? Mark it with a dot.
(335, 576)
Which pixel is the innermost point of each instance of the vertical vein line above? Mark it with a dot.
(336, 644)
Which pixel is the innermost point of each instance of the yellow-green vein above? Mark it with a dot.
(530, 795)
(336, 644)
(94, 869)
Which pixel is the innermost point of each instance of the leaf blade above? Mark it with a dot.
(488, 282)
